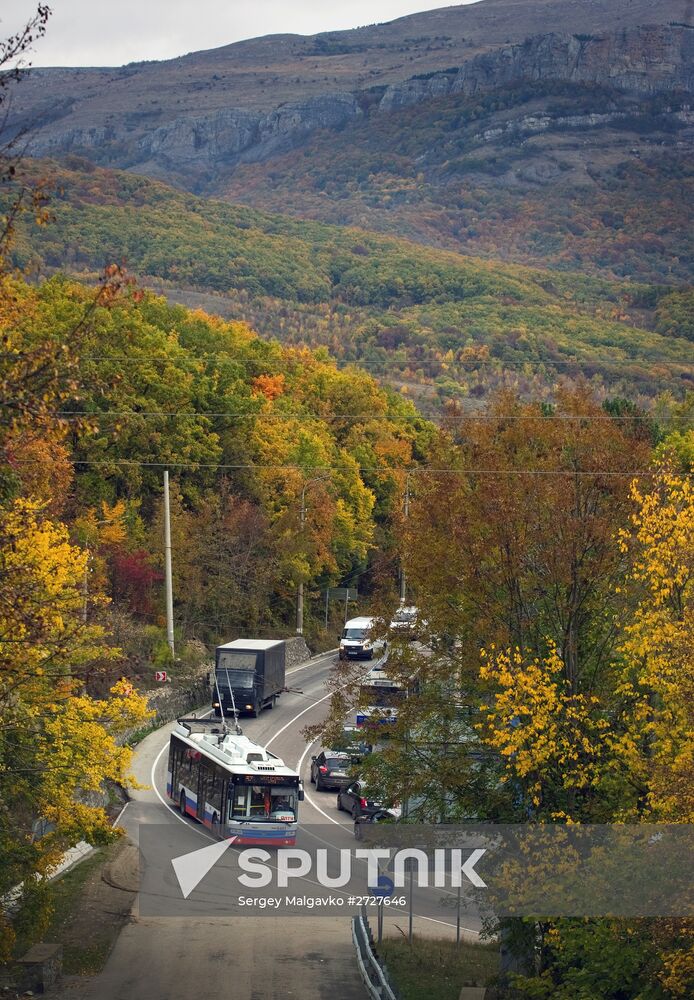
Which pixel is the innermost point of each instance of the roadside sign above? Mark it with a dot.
(344, 593)
(384, 886)
(161, 675)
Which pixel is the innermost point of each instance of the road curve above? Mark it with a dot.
(247, 958)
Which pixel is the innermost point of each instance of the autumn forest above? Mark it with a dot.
(299, 375)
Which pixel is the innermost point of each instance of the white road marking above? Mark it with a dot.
(308, 797)
(115, 822)
(292, 721)
(313, 662)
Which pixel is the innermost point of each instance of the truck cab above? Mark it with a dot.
(249, 676)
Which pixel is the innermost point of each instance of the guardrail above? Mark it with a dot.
(372, 972)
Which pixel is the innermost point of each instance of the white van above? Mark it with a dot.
(355, 642)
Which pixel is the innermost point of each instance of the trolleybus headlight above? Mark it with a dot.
(249, 707)
(215, 704)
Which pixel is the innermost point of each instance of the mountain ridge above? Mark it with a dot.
(204, 112)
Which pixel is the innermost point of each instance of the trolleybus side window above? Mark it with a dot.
(175, 757)
(187, 774)
(211, 786)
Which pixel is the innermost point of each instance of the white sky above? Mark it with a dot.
(100, 33)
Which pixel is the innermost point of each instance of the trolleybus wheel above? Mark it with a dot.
(182, 803)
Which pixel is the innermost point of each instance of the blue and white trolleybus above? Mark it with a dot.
(232, 785)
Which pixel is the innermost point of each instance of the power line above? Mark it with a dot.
(383, 469)
(406, 362)
(61, 415)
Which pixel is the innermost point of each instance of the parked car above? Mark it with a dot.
(330, 769)
(356, 800)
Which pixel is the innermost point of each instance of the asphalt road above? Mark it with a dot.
(245, 957)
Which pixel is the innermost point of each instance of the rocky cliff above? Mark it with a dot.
(191, 146)
(191, 149)
(646, 60)
(195, 119)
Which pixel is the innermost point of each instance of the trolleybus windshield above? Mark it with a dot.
(262, 802)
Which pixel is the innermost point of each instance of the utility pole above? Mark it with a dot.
(167, 566)
(403, 580)
(85, 588)
(300, 587)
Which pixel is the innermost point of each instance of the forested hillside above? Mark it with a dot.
(545, 173)
(447, 343)
(244, 425)
(428, 318)
(101, 390)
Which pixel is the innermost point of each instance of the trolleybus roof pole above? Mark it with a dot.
(233, 703)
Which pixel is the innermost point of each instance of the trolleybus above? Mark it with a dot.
(379, 698)
(234, 786)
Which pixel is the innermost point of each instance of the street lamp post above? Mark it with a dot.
(403, 579)
(300, 587)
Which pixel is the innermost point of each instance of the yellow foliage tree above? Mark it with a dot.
(658, 647)
(56, 742)
(550, 739)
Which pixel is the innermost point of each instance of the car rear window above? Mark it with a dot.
(337, 761)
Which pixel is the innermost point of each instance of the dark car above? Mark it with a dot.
(330, 769)
(355, 800)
